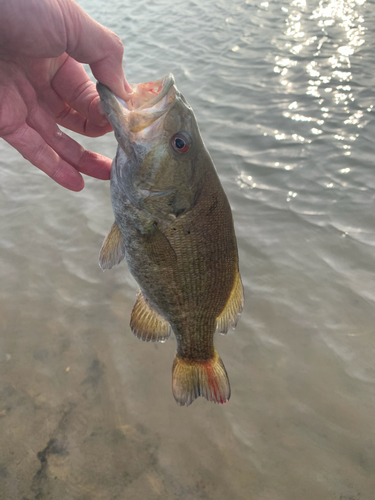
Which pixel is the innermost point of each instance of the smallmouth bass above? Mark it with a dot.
(174, 226)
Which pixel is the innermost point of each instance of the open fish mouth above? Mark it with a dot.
(147, 104)
(148, 95)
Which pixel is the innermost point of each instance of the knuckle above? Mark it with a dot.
(83, 158)
(38, 154)
(118, 47)
(81, 90)
(54, 174)
(57, 137)
(63, 114)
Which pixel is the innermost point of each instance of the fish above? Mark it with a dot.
(174, 226)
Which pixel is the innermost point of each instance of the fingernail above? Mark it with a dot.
(128, 88)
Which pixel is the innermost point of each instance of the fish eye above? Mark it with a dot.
(180, 143)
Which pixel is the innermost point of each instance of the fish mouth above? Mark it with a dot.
(147, 95)
(148, 102)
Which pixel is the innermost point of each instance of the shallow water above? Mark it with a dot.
(283, 94)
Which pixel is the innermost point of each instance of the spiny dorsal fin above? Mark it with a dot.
(200, 377)
(146, 323)
(113, 250)
(233, 308)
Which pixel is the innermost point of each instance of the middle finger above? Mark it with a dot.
(84, 161)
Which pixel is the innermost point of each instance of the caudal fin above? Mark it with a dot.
(206, 377)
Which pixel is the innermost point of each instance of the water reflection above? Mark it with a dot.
(322, 43)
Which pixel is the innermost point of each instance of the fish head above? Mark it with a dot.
(159, 165)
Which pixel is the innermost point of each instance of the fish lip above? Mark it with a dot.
(157, 89)
(145, 95)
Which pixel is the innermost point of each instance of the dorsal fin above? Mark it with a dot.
(233, 308)
(146, 323)
(113, 250)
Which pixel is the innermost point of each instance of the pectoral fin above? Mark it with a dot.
(146, 323)
(233, 308)
(113, 250)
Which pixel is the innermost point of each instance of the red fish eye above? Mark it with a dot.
(180, 143)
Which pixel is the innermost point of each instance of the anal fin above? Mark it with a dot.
(200, 377)
(113, 250)
(146, 323)
(233, 308)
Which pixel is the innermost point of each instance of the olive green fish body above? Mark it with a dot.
(174, 226)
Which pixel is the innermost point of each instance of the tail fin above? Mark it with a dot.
(206, 377)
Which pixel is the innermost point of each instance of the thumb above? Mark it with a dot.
(91, 43)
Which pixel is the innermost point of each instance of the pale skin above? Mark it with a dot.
(43, 84)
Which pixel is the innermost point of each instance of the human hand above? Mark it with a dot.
(43, 84)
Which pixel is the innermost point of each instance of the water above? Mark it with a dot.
(283, 93)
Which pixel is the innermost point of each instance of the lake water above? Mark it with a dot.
(284, 95)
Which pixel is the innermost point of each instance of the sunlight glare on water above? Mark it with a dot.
(283, 94)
